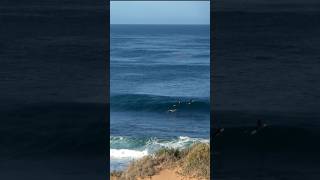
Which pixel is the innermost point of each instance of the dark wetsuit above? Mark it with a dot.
(217, 131)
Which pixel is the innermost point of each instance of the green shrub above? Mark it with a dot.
(168, 157)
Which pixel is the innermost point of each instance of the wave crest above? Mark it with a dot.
(138, 102)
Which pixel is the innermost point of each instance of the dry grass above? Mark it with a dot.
(168, 157)
(194, 161)
(116, 174)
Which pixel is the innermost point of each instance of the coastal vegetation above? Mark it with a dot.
(192, 162)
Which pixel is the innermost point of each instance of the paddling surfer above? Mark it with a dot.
(259, 126)
(218, 131)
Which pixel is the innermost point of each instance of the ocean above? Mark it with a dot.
(267, 68)
(159, 89)
(52, 90)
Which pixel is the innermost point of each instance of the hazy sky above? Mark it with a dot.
(160, 12)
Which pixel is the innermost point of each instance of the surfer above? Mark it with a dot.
(259, 126)
(172, 110)
(218, 131)
(189, 102)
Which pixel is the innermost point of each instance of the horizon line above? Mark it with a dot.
(153, 24)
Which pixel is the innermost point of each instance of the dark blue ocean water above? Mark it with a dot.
(267, 68)
(52, 90)
(153, 67)
(52, 84)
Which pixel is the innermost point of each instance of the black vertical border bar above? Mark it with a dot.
(213, 123)
(107, 88)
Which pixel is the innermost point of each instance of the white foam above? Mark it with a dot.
(120, 158)
(153, 145)
(180, 143)
(127, 154)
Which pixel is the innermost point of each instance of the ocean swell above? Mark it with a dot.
(153, 103)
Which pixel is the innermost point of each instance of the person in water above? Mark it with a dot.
(259, 126)
(218, 131)
(172, 110)
(190, 101)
